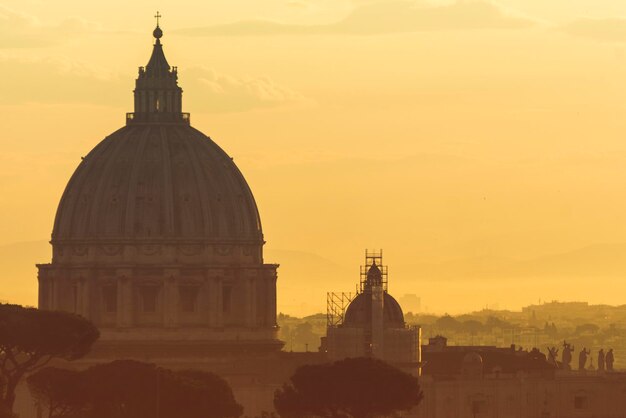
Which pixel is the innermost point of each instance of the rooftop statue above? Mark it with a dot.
(582, 358)
(566, 360)
(601, 360)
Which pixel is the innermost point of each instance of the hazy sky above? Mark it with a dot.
(482, 144)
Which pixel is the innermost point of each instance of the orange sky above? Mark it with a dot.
(480, 143)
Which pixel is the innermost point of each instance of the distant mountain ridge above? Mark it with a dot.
(600, 260)
(304, 277)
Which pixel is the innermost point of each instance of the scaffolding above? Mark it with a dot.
(372, 257)
(336, 304)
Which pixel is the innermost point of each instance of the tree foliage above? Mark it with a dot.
(30, 338)
(350, 388)
(131, 389)
(447, 322)
(59, 391)
(587, 329)
(472, 326)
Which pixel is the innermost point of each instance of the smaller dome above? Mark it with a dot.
(472, 365)
(472, 358)
(359, 312)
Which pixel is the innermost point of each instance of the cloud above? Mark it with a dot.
(600, 260)
(608, 30)
(56, 80)
(397, 16)
(298, 4)
(213, 92)
(19, 30)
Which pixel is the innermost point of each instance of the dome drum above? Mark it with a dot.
(163, 296)
(157, 252)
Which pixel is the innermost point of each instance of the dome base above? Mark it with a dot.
(196, 303)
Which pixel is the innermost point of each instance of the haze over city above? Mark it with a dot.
(479, 143)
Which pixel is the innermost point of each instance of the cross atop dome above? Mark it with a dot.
(157, 33)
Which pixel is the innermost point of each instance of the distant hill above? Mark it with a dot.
(602, 260)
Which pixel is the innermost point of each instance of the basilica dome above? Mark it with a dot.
(160, 182)
(158, 231)
(157, 178)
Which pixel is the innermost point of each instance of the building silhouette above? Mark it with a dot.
(157, 238)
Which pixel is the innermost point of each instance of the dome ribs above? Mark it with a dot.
(252, 225)
(126, 225)
(167, 197)
(150, 186)
(190, 141)
(64, 220)
(242, 204)
(102, 223)
(88, 217)
(209, 165)
(218, 194)
(187, 210)
(235, 211)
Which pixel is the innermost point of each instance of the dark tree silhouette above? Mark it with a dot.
(495, 322)
(207, 395)
(123, 388)
(356, 388)
(59, 391)
(131, 389)
(30, 338)
(472, 326)
(5, 413)
(447, 322)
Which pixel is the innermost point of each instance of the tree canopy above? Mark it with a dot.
(30, 338)
(448, 323)
(60, 391)
(350, 388)
(132, 389)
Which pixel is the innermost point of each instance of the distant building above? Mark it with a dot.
(486, 382)
(468, 381)
(411, 303)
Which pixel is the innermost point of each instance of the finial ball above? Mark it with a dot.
(158, 33)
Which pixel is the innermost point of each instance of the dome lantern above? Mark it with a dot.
(158, 97)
